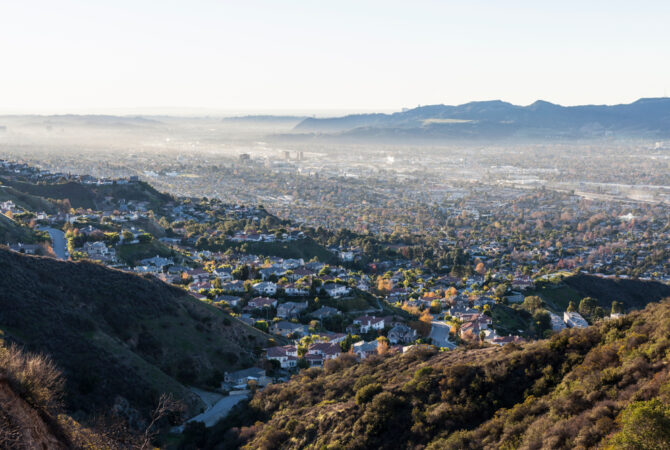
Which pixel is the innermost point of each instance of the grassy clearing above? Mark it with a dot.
(556, 296)
(507, 320)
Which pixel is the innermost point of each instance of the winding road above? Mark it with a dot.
(58, 241)
(215, 413)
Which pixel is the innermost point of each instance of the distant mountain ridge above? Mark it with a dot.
(647, 117)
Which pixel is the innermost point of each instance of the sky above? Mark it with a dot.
(287, 56)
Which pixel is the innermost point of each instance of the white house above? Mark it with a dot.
(286, 355)
(367, 323)
(364, 349)
(265, 288)
(336, 290)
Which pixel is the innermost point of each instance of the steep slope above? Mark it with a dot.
(120, 339)
(579, 389)
(631, 293)
(13, 232)
(26, 201)
(31, 415)
(634, 294)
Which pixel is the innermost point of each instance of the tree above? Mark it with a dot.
(645, 425)
(167, 406)
(532, 303)
(302, 363)
(589, 308)
(571, 306)
(617, 307)
(382, 345)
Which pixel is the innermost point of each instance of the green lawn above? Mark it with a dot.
(556, 296)
(507, 320)
(132, 253)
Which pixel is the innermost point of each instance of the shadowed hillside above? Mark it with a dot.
(120, 339)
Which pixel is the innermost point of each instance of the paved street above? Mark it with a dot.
(58, 241)
(439, 333)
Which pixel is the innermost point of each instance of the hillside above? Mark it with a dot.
(13, 232)
(31, 415)
(26, 201)
(632, 294)
(121, 340)
(496, 119)
(91, 195)
(609, 383)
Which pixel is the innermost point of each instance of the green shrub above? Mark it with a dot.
(367, 392)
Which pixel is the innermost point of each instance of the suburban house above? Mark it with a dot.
(364, 349)
(522, 282)
(198, 285)
(97, 250)
(198, 275)
(329, 350)
(574, 320)
(242, 377)
(28, 249)
(367, 323)
(401, 334)
(288, 329)
(265, 288)
(294, 291)
(233, 286)
(320, 352)
(472, 329)
(290, 309)
(271, 271)
(324, 311)
(224, 274)
(336, 290)
(232, 300)
(262, 302)
(286, 355)
(299, 273)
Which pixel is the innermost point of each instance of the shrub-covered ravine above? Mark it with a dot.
(605, 386)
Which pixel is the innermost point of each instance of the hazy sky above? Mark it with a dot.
(98, 55)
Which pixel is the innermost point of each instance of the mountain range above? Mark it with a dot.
(644, 118)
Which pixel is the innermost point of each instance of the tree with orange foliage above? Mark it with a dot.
(384, 285)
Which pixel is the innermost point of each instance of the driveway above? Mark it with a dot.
(439, 333)
(216, 412)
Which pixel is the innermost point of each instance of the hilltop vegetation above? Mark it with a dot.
(121, 340)
(91, 196)
(604, 385)
(31, 413)
(26, 201)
